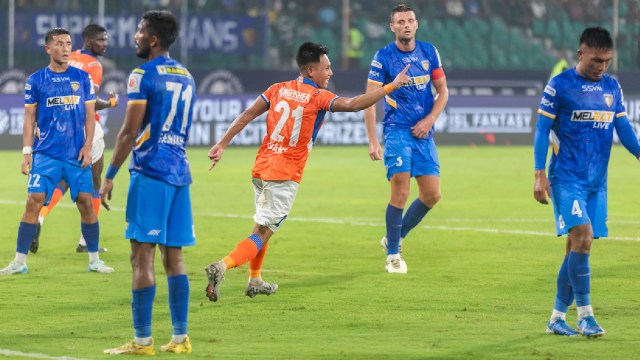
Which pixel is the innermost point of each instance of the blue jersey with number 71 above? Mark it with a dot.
(168, 90)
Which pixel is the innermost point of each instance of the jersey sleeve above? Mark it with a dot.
(94, 68)
(136, 87)
(549, 102)
(266, 96)
(324, 100)
(437, 72)
(621, 110)
(89, 90)
(377, 71)
(30, 92)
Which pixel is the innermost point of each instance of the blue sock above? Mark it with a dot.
(62, 190)
(580, 276)
(413, 216)
(96, 194)
(564, 294)
(26, 233)
(91, 233)
(179, 302)
(141, 310)
(394, 224)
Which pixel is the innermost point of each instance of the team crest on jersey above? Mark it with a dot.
(425, 65)
(608, 99)
(133, 85)
(75, 85)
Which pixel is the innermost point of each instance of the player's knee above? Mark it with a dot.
(34, 205)
(431, 199)
(581, 239)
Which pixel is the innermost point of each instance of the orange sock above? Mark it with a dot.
(57, 195)
(256, 263)
(96, 205)
(244, 251)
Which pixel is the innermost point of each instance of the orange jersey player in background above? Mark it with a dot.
(95, 44)
(296, 109)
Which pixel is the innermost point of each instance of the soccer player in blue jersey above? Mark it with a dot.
(409, 115)
(95, 44)
(60, 112)
(580, 109)
(156, 126)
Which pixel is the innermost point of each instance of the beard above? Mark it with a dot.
(143, 52)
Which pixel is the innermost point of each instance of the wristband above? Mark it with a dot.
(27, 150)
(388, 89)
(111, 172)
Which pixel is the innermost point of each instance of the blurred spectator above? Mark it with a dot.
(455, 8)
(561, 65)
(354, 48)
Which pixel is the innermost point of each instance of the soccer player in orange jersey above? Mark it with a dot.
(95, 44)
(296, 109)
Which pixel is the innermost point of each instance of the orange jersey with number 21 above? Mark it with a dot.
(296, 111)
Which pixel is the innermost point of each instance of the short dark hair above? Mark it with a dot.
(309, 53)
(55, 32)
(92, 31)
(400, 8)
(596, 37)
(162, 24)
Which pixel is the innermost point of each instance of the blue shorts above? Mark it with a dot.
(405, 153)
(159, 213)
(46, 173)
(573, 206)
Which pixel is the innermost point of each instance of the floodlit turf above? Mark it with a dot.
(481, 279)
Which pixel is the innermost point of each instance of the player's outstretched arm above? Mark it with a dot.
(27, 138)
(256, 109)
(365, 100)
(375, 150)
(125, 141)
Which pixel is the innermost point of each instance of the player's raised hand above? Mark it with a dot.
(402, 78)
(215, 154)
(541, 189)
(105, 193)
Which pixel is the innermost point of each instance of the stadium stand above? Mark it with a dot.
(470, 34)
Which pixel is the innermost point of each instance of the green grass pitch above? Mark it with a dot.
(481, 281)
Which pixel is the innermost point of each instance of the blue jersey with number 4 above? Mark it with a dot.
(584, 114)
(168, 90)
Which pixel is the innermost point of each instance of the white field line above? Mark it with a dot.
(6, 352)
(378, 223)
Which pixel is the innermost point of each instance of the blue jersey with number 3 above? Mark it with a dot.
(582, 134)
(168, 90)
